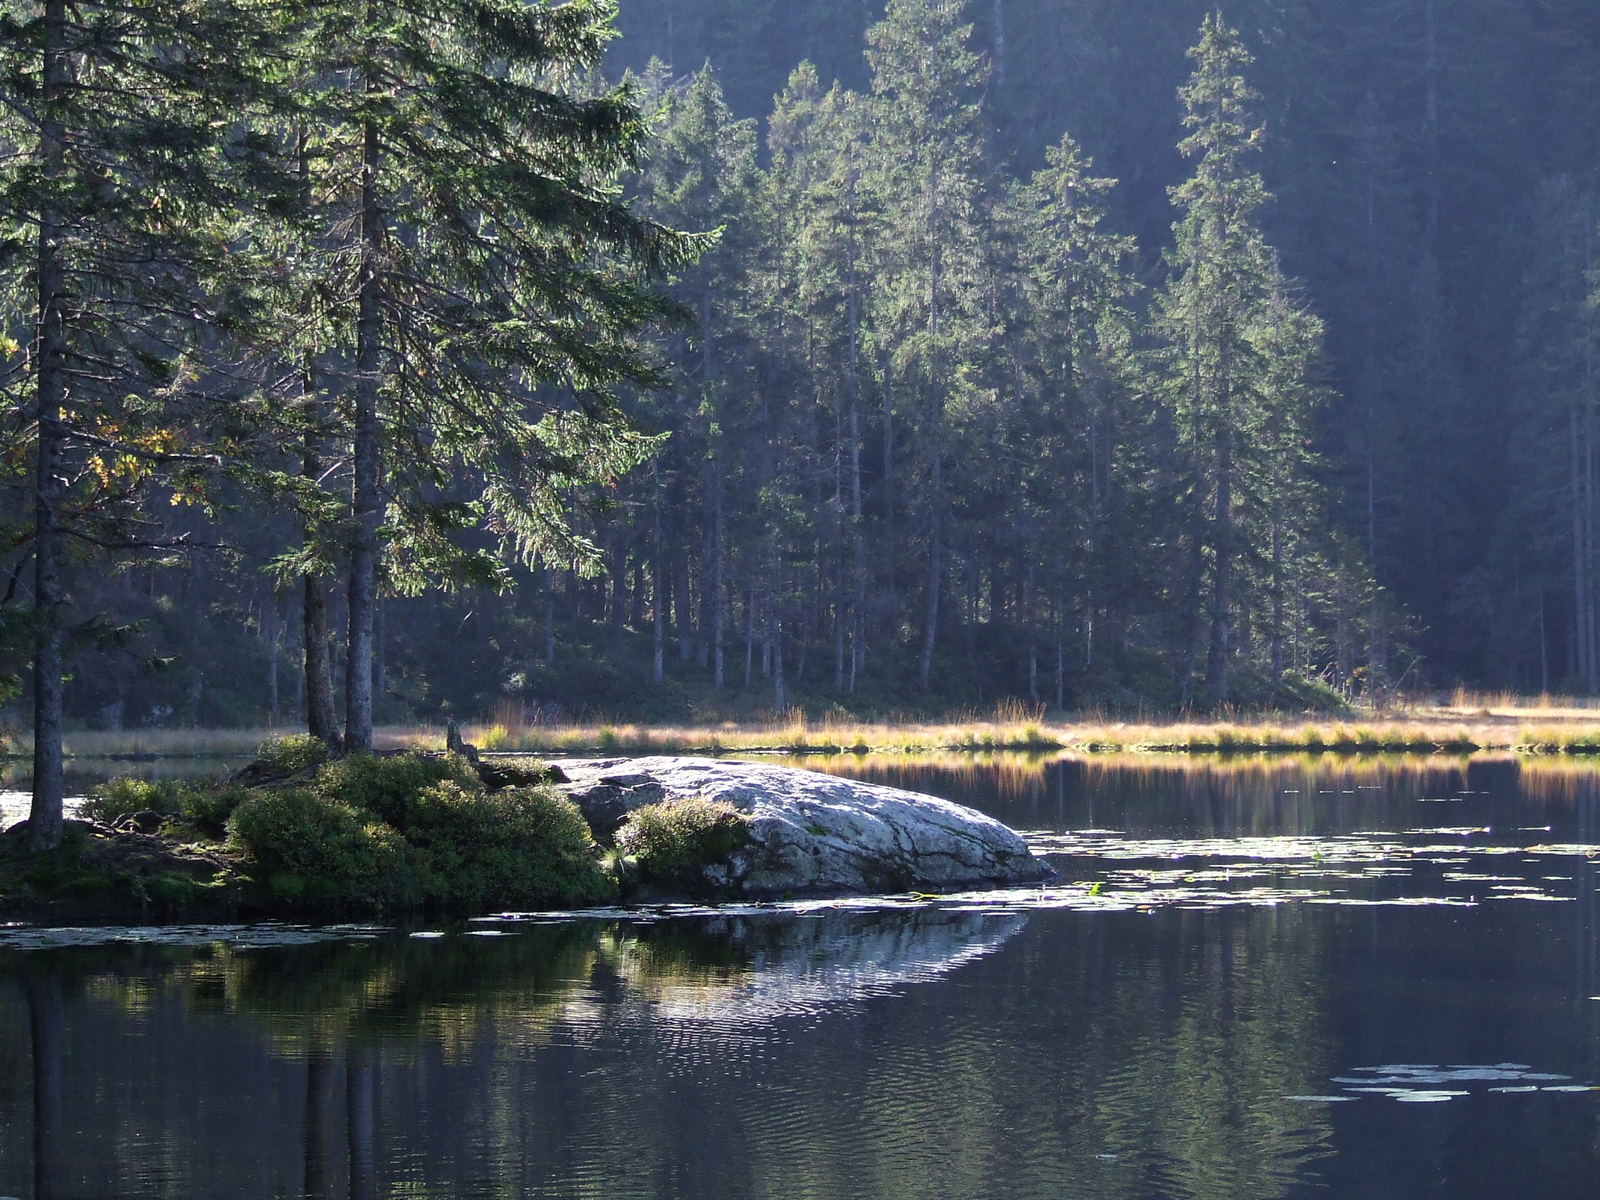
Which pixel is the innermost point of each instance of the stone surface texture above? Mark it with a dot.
(812, 833)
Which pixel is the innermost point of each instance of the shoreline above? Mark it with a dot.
(1530, 735)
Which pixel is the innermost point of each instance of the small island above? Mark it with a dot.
(300, 834)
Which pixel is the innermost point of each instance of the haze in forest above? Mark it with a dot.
(1086, 353)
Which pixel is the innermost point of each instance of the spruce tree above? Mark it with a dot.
(123, 171)
(485, 283)
(926, 172)
(1234, 367)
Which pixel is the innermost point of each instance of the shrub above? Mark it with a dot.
(519, 847)
(209, 807)
(107, 802)
(288, 755)
(306, 844)
(672, 843)
(386, 787)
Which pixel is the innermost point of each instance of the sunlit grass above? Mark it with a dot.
(1509, 724)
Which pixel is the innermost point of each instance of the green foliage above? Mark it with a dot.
(292, 754)
(208, 807)
(305, 844)
(672, 843)
(522, 847)
(386, 785)
(116, 798)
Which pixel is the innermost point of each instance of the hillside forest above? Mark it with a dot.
(464, 358)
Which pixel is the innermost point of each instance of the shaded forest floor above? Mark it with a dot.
(1463, 724)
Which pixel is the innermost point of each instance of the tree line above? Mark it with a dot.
(925, 403)
(932, 412)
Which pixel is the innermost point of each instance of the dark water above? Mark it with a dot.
(1275, 979)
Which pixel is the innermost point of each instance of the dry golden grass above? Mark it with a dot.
(1470, 723)
(1529, 728)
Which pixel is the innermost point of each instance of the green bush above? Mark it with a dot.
(519, 847)
(296, 752)
(116, 798)
(208, 806)
(387, 786)
(305, 844)
(672, 843)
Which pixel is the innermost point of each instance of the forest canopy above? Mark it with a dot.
(1084, 353)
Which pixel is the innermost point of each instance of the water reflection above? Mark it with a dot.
(1236, 950)
(848, 1054)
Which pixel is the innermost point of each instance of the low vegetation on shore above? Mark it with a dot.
(300, 833)
(1463, 724)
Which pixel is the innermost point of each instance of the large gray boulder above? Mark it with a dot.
(811, 833)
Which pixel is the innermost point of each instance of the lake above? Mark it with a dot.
(1256, 978)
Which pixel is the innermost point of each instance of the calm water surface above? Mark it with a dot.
(1276, 978)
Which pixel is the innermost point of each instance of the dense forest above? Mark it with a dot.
(1075, 351)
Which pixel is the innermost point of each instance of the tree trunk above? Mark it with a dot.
(658, 589)
(718, 587)
(272, 634)
(780, 699)
(49, 601)
(1219, 647)
(930, 628)
(321, 721)
(365, 499)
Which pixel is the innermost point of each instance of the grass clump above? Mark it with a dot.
(671, 844)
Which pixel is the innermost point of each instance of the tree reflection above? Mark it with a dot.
(46, 1020)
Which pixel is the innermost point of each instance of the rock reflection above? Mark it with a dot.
(787, 966)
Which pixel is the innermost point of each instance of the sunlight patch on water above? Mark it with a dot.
(1414, 1083)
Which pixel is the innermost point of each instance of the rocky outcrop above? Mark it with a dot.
(811, 833)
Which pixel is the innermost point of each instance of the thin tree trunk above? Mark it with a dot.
(1278, 617)
(549, 617)
(49, 602)
(1219, 648)
(365, 499)
(272, 628)
(749, 631)
(322, 721)
(930, 628)
(718, 583)
(658, 590)
(780, 699)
